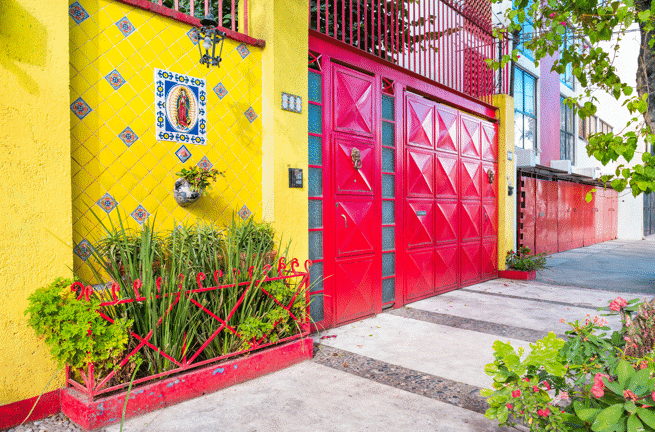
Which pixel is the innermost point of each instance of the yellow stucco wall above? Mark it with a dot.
(35, 205)
(506, 174)
(283, 25)
(143, 173)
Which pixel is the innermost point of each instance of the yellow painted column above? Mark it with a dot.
(506, 177)
(35, 205)
(283, 24)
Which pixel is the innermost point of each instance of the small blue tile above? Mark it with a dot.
(205, 164)
(245, 212)
(140, 214)
(83, 250)
(80, 108)
(251, 115)
(77, 12)
(243, 50)
(107, 202)
(125, 26)
(220, 90)
(183, 154)
(115, 79)
(128, 136)
(193, 35)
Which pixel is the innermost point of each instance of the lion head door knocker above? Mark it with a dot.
(490, 175)
(356, 157)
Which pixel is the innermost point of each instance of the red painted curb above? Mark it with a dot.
(14, 413)
(517, 274)
(93, 414)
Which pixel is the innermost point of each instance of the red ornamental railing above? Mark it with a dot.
(230, 14)
(447, 41)
(93, 385)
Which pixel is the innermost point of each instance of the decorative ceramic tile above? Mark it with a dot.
(128, 136)
(125, 26)
(181, 107)
(80, 108)
(205, 164)
(193, 35)
(291, 102)
(140, 214)
(251, 115)
(115, 79)
(107, 202)
(243, 50)
(83, 250)
(77, 12)
(245, 212)
(183, 154)
(220, 90)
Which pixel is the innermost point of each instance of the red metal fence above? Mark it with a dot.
(230, 14)
(446, 41)
(94, 385)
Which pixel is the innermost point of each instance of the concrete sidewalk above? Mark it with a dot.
(418, 368)
(617, 265)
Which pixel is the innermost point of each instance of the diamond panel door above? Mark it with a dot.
(355, 196)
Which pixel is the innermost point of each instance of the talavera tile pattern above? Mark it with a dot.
(118, 164)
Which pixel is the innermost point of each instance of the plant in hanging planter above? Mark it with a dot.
(522, 265)
(194, 183)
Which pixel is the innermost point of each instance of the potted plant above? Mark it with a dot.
(194, 183)
(521, 265)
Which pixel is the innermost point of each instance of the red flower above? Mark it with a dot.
(617, 304)
(516, 393)
(535, 389)
(552, 15)
(547, 385)
(597, 391)
(509, 406)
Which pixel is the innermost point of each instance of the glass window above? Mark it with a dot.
(566, 138)
(525, 108)
(566, 78)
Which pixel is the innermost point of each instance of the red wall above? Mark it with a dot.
(549, 111)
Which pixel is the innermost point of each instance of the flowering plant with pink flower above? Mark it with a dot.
(595, 380)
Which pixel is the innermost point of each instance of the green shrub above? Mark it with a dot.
(72, 328)
(522, 260)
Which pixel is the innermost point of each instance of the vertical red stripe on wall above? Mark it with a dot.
(14, 413)
(549, 111)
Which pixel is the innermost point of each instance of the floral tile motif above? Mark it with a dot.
(83, 250)
(243, 50)
(77, 12)
(115, 79)
(193, 35)
(205, 164)
(80, 108)
(251, 115)
(183, 154)
(220, 90)
(107, 202)
(140, 214)
(128, 136)
(245, 212)
(125, 26)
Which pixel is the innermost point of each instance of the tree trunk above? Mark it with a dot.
(646, 68)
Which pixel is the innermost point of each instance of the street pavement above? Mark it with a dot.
(617, 265)
(417, 368)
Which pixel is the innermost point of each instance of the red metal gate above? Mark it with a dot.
(407, 207)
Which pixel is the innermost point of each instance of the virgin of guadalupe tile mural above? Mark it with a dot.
(181, 107)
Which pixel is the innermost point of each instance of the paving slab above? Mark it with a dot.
(444, 351)
(311, 397)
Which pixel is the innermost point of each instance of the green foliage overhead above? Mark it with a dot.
(580, 31)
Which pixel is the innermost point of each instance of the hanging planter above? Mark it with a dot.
(185, 194)
(194, 183)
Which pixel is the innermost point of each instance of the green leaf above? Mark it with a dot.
(630, 407)
(624, 371)
(585, 414)
(647, 416)
(639, 382)
(608, 417)
(634, 425)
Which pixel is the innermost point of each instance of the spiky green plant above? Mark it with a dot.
(640, 330)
